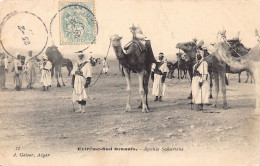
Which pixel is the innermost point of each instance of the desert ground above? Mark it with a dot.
(36, 120)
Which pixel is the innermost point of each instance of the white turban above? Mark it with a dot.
(45, 57)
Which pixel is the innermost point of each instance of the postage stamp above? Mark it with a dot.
(77, 22)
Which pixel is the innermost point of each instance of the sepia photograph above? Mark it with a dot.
(129, 82)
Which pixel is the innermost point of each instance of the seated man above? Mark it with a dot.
(138, 38)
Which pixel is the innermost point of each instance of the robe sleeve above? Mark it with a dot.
(164, 68)
(48, 65)
(16, 66)
(88, 70)
(153, 67)
(6, 63)
(204, 70)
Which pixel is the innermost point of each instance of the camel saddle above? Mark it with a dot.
(140, 45)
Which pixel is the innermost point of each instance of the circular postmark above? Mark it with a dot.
(78, 24)
(23, 32)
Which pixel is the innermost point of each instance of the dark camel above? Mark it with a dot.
(171, 66)
(136, 61)
(55, 57)
(182, 65)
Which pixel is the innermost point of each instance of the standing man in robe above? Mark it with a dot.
(81, 78)
(159, 72)
(200, 82)
(18, 72)
(46, 72)
(3, 70)
(105, 66)
(30, 70)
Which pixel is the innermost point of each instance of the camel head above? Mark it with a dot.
(190, 50)
(187, 46)
(115, 40)
(182, 58)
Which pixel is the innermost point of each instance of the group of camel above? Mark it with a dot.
(140, 62)
(225, 53)
(182, 64)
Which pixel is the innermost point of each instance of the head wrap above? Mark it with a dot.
(17, 54)
(45, 57)
(161, 56)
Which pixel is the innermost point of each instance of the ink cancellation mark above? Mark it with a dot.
(77, 22)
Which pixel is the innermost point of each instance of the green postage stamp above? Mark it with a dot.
(77, 22)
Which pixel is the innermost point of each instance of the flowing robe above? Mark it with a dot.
(159, 88)
(30, 68)
(200, 95)
(79, 91)
(46, 73)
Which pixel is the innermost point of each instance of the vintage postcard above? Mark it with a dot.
(129, 82)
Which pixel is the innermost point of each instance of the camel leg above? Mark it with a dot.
(247, 77)
(216, 79)
(252, 77)
(62, 79)
(226, 80)
(69, 72)
(128, 88)
(185, 73)
(60, 74)
(191, 75)
(57, 76)
(239, 79)
(223, 89)
(211, 85)
(146, 84)
(141, 90)
(68, 68)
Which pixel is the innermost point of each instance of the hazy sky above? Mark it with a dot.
(165, 22)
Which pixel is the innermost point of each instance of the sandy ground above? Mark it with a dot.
(36, 120)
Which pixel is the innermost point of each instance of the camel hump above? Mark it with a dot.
(140, 45)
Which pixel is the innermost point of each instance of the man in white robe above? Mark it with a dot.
(159, 72)
(81, 78)
(200, 82)
(105, 66)
(46, 73)
(30, 70)
(3, 70)
(18, 69)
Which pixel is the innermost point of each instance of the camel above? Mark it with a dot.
(94, 61)
(248, 62)
(56, 59)
(171, 66)
(238, 49)
(136, 61)
(182, 65)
